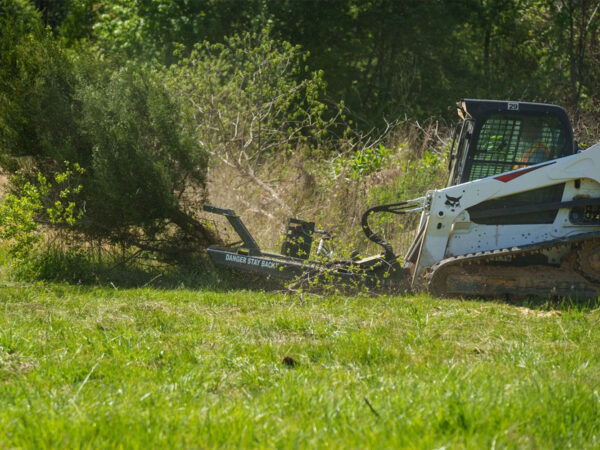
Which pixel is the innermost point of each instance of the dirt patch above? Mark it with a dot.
(534, 313)
(15, 364)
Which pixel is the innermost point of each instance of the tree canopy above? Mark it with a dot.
(384, 58)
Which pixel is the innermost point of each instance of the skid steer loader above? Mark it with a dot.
(520, 216)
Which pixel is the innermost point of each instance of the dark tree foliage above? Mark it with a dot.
(384, 58)
(143, 159)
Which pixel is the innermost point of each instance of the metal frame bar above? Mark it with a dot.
(238, 226)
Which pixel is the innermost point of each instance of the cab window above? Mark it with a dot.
(512, 142)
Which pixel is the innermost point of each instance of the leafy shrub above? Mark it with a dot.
(18, 214)
(363, 162)
(145, 156)
(24, 218)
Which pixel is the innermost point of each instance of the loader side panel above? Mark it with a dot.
(491, 212)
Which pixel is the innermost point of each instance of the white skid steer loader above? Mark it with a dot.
(520, 217)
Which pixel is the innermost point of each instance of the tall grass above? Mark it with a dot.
(336, 191)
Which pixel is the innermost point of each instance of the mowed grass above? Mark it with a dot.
(138, 368)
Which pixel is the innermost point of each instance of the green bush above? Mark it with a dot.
(19, 221)
(144, 157)
(132, 139)
(247, 99)
(363, 162)
(24, 219)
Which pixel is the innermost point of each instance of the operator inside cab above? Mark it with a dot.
(532, 144)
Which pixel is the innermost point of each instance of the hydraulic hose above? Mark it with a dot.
(393, 208)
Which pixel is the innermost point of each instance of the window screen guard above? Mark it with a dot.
(511, 142)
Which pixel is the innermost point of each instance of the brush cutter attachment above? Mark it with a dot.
(295, 264)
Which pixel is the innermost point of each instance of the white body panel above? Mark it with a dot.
(450, 232)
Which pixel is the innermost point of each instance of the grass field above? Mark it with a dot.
(91, 366)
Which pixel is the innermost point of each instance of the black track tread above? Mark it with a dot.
(481, 258)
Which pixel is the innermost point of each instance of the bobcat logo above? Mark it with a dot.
(453, 202)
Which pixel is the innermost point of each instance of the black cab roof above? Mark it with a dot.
(478, 109)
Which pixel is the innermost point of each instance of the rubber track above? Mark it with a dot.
(480, 259)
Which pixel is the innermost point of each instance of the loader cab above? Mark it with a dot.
(494, 137)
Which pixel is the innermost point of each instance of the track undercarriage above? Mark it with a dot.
(566, 268)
